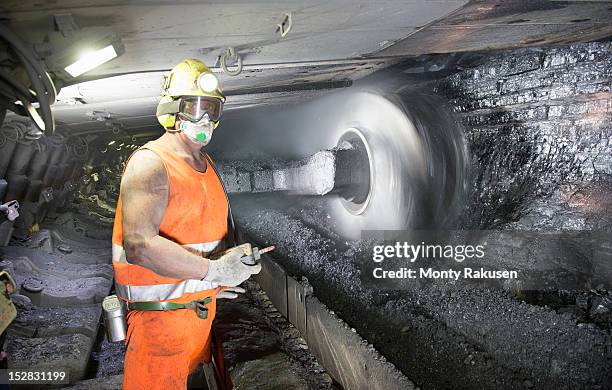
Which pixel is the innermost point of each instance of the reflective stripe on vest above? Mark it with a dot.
(195, 218)
(119, 254)
(161, 292)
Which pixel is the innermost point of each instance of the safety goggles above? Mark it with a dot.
(193, 108)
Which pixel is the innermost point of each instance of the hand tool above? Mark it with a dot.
(255, 255)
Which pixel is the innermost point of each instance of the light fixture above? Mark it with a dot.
(90, 60)
(70, 51)
(112, 142)
(208, 82)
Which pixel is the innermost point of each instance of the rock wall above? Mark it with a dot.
(538, 123)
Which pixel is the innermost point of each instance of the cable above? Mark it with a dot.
(29, 55)
(43, 93)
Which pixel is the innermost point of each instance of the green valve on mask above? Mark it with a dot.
(201, 137)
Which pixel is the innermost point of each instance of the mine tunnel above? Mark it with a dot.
(346, 124)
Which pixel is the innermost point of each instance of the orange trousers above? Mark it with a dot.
(164, 347)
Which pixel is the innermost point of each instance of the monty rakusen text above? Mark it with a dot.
(407, 254)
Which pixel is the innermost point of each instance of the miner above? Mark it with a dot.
(172, 215)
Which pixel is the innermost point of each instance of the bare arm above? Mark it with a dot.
(144, 195)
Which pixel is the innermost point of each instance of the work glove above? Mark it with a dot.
(228, 270)
(230, 293)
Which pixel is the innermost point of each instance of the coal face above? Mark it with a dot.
(537, 130)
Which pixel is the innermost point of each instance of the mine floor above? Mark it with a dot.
(60, 325)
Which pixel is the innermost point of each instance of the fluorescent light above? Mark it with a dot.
(90, 60)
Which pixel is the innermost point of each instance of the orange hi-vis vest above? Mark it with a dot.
(195, 217)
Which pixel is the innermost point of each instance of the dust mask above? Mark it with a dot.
(199, 132)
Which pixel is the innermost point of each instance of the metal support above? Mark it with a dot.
(344, 171)
(345, 355)
(296, 304)
(231, 57)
